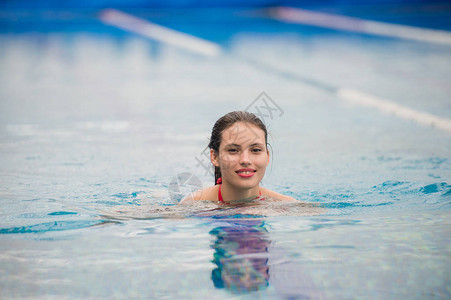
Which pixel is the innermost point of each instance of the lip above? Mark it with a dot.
(250, 173)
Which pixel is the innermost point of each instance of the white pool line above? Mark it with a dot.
(192, 43)
(325, 20)
(393, 108)
(156, 32)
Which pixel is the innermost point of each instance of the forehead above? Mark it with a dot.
(243, 134)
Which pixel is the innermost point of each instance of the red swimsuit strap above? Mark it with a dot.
(222, 200)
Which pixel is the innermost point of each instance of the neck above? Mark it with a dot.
(232, 194)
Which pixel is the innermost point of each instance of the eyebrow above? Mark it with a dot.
(236, 145)
(233, 145)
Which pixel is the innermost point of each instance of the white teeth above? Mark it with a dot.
(245, 172)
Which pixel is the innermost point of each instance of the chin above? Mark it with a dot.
(247, 184)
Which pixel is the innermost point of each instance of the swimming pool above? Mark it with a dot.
(96, 123)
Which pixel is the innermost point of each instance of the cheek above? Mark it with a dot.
(226, 160)
(262, 161)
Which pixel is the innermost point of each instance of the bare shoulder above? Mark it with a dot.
(277, 196)
(209, 193)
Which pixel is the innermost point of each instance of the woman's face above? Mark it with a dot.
(243, 155)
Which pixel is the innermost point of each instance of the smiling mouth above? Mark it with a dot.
(246, 172)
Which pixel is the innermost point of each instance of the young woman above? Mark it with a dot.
(239, 153)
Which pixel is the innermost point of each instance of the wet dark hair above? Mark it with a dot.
(225, 122)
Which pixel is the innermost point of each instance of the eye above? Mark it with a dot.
(256, 150)
(232, 150)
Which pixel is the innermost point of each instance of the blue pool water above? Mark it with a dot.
(95, 124)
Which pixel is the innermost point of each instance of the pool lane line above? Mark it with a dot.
(363, 99)
(153, 31)
(352, 24)
(192, 43)
(393, 108)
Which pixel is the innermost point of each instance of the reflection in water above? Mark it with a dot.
(247, 260)
(241, 256)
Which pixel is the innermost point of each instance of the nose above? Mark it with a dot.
(244, 158)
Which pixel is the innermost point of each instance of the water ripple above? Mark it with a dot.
(51, 226)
